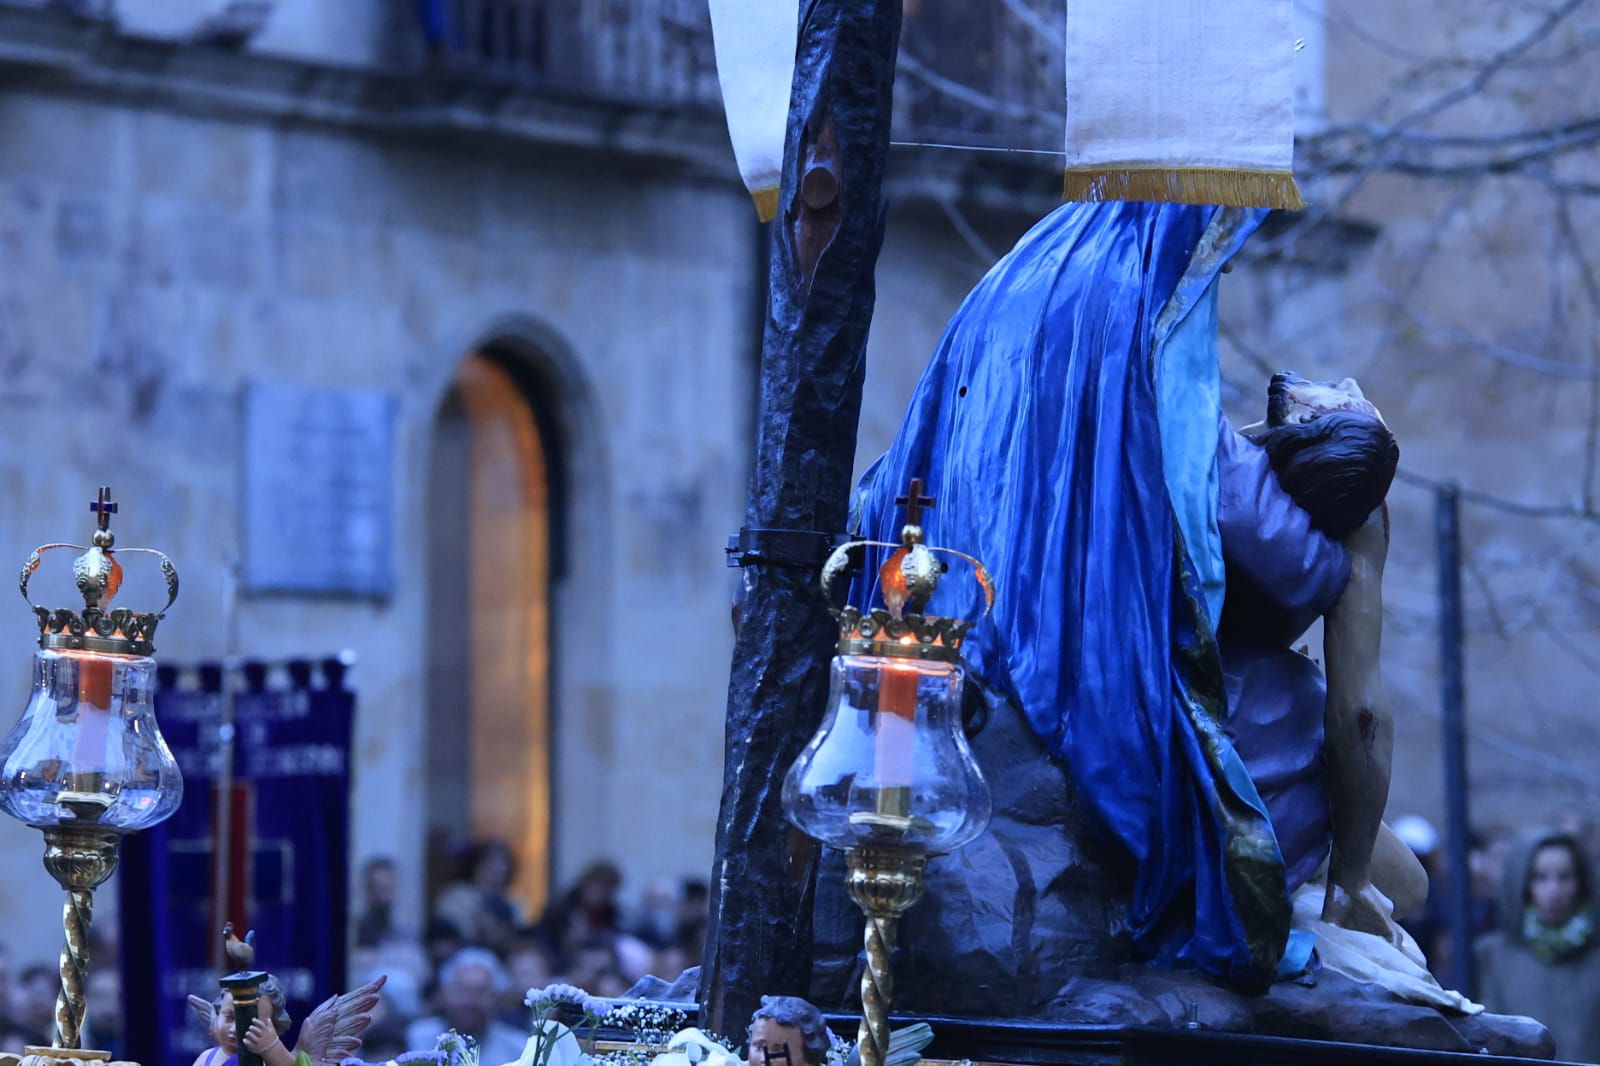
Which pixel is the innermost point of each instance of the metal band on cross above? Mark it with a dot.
(104, 508)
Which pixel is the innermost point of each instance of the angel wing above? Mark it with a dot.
(332, 1032)
(207, 1013)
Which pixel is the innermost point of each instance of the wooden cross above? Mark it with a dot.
(914, 502)
(104, 508)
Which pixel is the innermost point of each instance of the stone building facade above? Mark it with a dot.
(181, 219)
(191, 205)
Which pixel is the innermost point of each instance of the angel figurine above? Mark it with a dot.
(331, 1034)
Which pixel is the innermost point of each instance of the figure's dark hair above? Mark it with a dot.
(1337, 466)
(270, 989)
(478, 852)
(792, 1010)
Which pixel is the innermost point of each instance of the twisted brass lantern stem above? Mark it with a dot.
(884, 882)
(70, 1001)
(80, 858)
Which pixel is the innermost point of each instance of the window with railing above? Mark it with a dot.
(982, 73)
(656, 51)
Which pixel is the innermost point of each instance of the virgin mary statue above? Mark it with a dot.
(1069, 426)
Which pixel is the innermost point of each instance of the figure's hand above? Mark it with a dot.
(263, 1039)
(260, 1036)
(1365, 911)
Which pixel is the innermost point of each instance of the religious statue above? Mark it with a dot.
(788, 1030)
(331, 1034)
(1171, 779)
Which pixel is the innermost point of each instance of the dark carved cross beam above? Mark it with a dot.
(915, 502)
(825, 244)
(104, 508)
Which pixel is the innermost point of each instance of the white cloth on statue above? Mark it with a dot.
(755, 42)
(1187, 101)
(1399, 967)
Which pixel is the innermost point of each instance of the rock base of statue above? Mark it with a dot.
(1023, 924)
(1004, 922)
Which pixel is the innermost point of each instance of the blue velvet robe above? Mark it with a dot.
(1035, 426)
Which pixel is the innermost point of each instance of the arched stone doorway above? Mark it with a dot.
(487, 758)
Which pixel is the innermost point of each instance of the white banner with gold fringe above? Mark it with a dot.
(755, 42)
(1183, 101)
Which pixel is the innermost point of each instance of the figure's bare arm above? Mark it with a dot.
(1359, 744)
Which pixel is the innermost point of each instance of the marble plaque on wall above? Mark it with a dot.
(319, 491)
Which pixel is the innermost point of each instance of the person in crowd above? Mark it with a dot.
(8, 990)
(595, 967)
(657, 921)
(1428, 926)
(1542, 961)
(441, 942)
(34, 1004)
(694, 918)
(477, 902)
(102, 1028)
(585, 912)
(385, 1038)
(379, 887)
(13, 1041)
(472, 986)
(528, 964)
(1486, 863)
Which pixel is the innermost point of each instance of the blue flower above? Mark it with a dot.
(550, 995)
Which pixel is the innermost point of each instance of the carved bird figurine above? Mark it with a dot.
(240, 952)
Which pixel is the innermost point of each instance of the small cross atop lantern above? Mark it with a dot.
(86, 763)
(889, 777)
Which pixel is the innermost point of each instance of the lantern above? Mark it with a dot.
(889, 777)
(86, 763)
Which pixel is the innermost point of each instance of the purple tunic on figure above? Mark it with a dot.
(1282, 575)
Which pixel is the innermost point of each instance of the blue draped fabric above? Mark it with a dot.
(1035, 425)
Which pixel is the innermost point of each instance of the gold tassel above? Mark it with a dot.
(766, 202)
(1185, 185)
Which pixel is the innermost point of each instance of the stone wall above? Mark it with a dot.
(156, 259)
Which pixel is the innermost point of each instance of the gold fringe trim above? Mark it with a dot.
(766, 202)
(1186, 185)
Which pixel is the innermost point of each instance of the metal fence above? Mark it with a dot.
(982, 73)
(641, 51)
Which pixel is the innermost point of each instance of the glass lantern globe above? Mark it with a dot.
(890, 765)
(87, 748)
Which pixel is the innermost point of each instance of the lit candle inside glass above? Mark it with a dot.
(95, 677)
(894, 751)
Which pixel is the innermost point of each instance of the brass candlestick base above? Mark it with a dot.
(80, 858)
(883, 881)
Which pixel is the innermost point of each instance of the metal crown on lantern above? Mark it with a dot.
(889, 777)
(86, 762)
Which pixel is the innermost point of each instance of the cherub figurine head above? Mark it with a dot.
(271, 1022)
(331, 1034)
(789, 1031)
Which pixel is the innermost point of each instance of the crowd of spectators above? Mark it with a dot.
(469, 968)
(479, 953)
